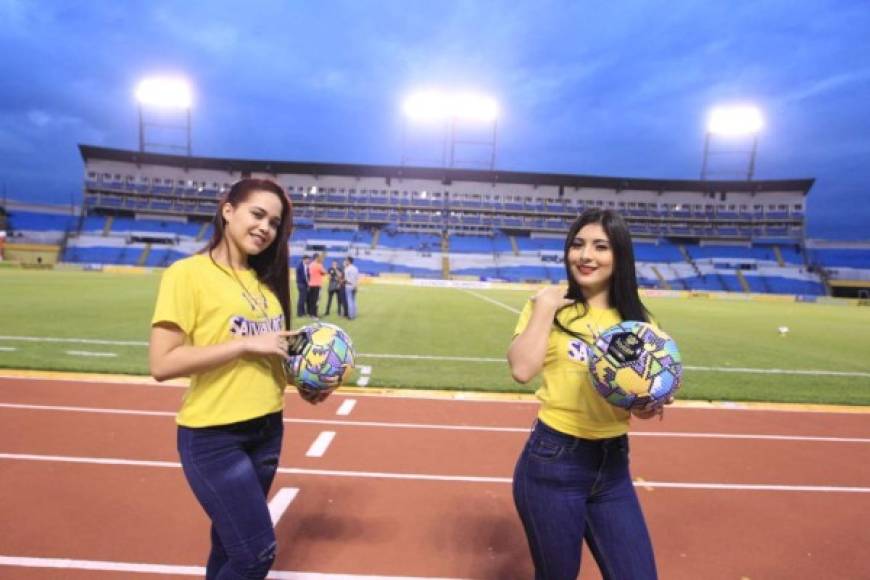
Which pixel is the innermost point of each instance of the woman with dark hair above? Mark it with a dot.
(223, 317)
(572, 479)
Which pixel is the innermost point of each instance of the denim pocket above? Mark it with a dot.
(544, 449)
(624, 448)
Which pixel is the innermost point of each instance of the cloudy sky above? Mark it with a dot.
(586, 87)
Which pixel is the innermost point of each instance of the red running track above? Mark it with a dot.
(419, 487)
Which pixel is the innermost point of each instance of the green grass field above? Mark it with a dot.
(732, 348)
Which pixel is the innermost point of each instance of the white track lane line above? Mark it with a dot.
(383, 424)
(434, 477)
(168, 569)
(280, 502)
(321, 444)
(346, 407)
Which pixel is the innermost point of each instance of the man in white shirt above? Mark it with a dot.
(351, 280)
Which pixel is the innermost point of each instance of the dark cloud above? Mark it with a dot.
(616, 88)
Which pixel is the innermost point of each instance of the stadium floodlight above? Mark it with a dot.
(424, 106)
(436, 105)
(453, 108)
(730, 122)
(166, 94)
(475, 107)
(735, 120)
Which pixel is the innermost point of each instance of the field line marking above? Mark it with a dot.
(434, 477)
(280, 502)
(365, 375)
(491, 300)
(778, 371)
(434, 357)
(91, 353)
(346, 407)
(74, 340)
(501, 360)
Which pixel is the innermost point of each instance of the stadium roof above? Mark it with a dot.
(444, 175)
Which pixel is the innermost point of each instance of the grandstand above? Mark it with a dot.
(150, 209)
(2, 233)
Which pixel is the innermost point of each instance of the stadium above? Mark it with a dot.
(147, 209)
(422, 234)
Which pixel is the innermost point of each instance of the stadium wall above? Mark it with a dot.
(31, 253)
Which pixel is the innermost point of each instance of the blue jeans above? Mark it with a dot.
(567, 489)
(230, 469)
(302, 302)
(350, 299)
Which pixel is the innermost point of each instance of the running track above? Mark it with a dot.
(419, 487)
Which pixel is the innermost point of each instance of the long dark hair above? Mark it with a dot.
(622, 293)
(270, 265)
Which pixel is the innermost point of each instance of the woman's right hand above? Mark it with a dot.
(270, 343)
(552, 298)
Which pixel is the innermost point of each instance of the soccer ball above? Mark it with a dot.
(633, 363)
(322, 352)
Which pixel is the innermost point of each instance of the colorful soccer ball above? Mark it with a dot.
(633, 363)
(325, 353)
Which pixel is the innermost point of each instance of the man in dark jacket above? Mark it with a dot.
(336, 289)
(302, 286)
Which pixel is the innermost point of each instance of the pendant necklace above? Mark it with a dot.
(262, 304)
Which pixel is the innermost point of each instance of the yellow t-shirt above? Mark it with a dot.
(211, 307)
(569, 401)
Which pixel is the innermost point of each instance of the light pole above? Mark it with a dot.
(167, 94)
(732, 122)
(454, 111)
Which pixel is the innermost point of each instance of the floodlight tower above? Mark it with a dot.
(729, 123)
(455, 111)
(165, 94)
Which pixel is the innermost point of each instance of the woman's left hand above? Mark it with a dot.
(651, 409)
(315, 396)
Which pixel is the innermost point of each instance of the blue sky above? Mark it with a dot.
(590, 87)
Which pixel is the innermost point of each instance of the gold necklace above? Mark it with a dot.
(252, 300)
(248, 296)
(594, 325)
